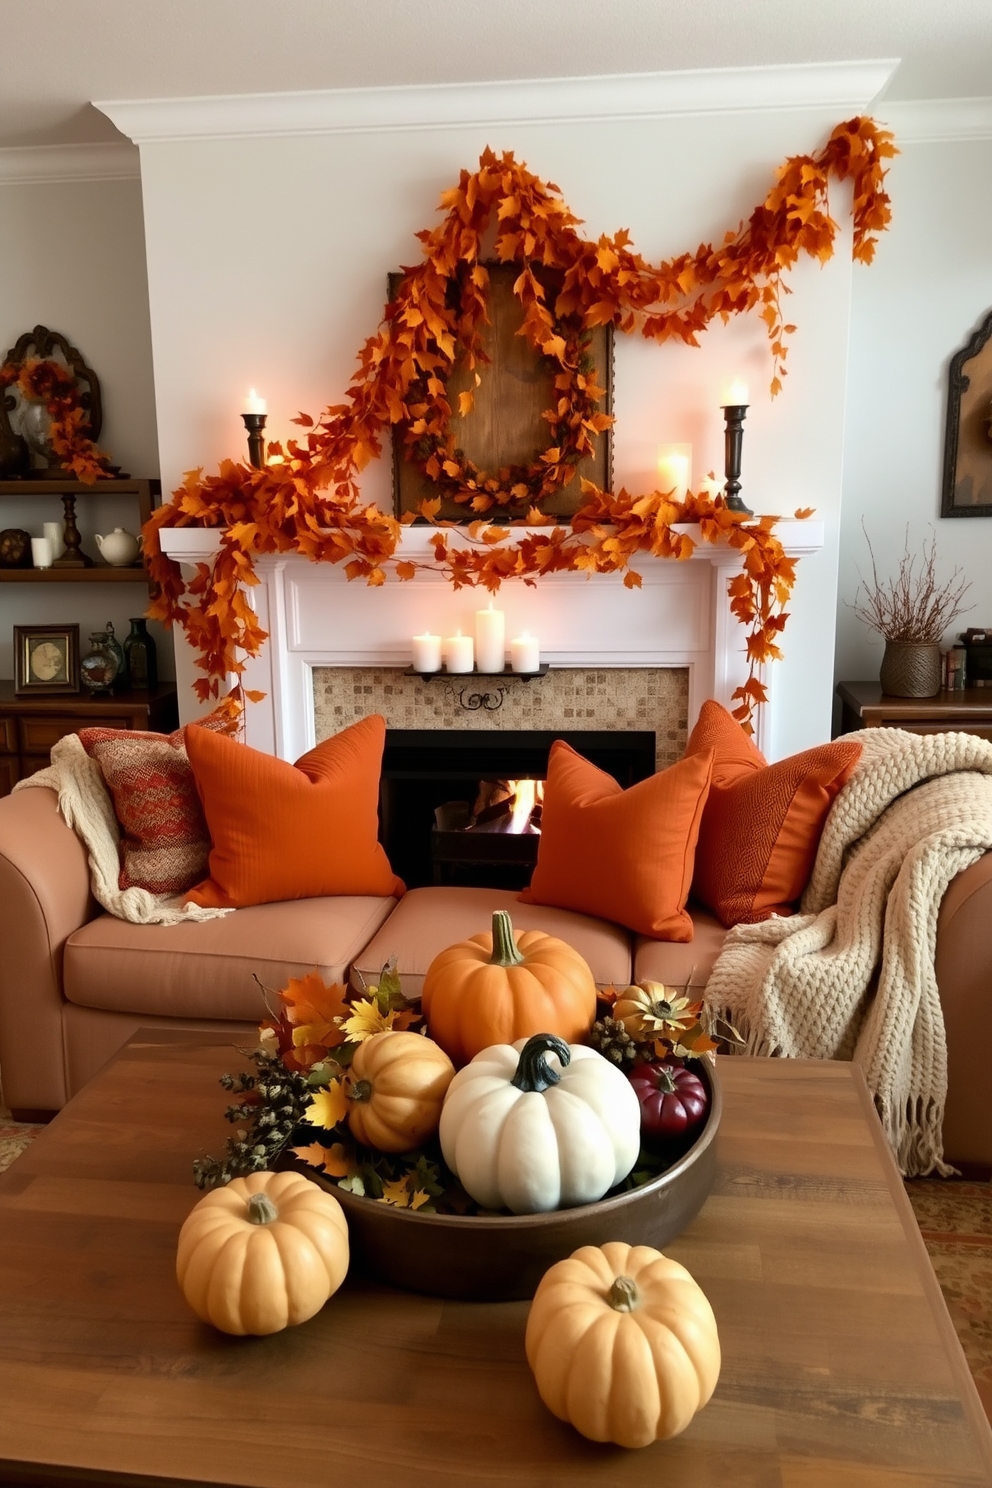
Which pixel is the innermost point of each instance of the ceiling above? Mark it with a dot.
(57, 55)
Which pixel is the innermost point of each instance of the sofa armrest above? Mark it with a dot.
(44, 897)
(964, 979)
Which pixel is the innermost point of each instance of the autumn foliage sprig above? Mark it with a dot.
(300, 1082)
(50, 383)
(310, 501)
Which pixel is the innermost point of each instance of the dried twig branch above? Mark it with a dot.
(914, 606)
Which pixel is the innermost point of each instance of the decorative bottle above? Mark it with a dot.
(140, 657)
(115, 646)
(101, 665)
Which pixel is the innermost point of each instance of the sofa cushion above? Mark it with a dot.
(164, 838)
(677, 963)
(761, 824)
(427, 921)
(207, 969)
(282, 831)
(626, 855)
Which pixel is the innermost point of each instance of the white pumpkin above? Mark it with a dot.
(539, 1125)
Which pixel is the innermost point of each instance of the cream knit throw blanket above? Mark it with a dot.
(852, 976)
(85, 804)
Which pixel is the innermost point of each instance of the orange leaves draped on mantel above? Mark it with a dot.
(308, 498)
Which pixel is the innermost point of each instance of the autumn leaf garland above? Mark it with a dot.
(309, 501)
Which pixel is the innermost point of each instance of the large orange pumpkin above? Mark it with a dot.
(497, 988)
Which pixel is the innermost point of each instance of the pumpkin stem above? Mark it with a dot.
(665, 1081)
(360, 1090)
(261, 1209)
(624, 1296)
(505, 951)
(533, 1071)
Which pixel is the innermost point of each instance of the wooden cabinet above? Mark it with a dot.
(144, 493)
(864, 705)
(30, 726)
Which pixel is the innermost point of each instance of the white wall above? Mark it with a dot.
(72, 258)
(268, 257)
(930, 286)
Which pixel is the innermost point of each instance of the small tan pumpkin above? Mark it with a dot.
(263, 1253)
(497, 988)
(623, 1344)
(396, 1087)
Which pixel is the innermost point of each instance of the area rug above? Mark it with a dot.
(14, 1137)
(955, 1220)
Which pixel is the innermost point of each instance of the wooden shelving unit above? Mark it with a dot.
(144, 492)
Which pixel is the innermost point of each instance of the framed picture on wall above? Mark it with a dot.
(506, 426)
(46, 659)
(968, 437)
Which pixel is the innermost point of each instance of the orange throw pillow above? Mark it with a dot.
(625, 855)
(282, 831)
(762, 823)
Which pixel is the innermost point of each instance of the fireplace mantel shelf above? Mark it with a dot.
(678, 616)
(199, 544)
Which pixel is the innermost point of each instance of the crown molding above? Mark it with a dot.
(932, 120)
(30, 165)
(843, 86)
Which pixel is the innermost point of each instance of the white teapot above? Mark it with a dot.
(119, 547)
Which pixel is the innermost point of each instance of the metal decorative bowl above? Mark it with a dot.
(498, 1258)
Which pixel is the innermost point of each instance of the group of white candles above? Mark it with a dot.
(484, 652)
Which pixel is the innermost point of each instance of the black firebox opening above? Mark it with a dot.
(423, 769)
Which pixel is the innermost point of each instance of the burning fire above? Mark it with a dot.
(526, 795)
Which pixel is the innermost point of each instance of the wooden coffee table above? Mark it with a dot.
(840, 1362)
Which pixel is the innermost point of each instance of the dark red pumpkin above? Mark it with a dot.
(673, 1100)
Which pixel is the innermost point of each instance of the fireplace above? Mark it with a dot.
(427, 769)
(593, 630)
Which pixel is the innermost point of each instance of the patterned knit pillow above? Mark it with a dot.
(165, 843)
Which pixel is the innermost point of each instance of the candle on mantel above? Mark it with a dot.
(525, 653)
(735, 394)
(426, 653)
(459, 653)
(490, 640)
(675, 469)
(255, 404)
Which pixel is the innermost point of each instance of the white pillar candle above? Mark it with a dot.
(426, 653)
(490, 640)
(675, 469)
(41, 552)
(53, 531)
(735, 394)
(459, 653)
(525, 653)
(255, 404)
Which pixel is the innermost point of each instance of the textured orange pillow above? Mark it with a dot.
(762, 823)
(282, 831)
(625, 855)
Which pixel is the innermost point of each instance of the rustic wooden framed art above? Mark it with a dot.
(506, 426)
(967, 489)
(46, 659)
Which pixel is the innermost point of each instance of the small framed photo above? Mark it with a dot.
(46, 659)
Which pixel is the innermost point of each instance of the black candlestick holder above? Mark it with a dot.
(733, 440)
(255, 423)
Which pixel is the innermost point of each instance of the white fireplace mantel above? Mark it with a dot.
(679, 617)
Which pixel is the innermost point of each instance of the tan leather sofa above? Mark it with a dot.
(75, 983)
